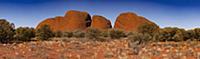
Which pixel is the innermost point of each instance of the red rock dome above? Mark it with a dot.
(100, 22)
(73, 20)
(130, 22)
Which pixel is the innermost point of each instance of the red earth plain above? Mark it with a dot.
(80, 48)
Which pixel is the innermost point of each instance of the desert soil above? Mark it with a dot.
(115, 49)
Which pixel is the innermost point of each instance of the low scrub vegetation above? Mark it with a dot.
(44, 33)
(93, 33)
(116, 34)
(67, 34)
(24, 34)
(170, 34)
(78, 34)
(146, 33)
(6, 31)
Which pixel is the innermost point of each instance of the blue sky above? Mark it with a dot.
(176, 13)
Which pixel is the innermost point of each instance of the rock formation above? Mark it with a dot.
(76, 20)
(56, 24)
(100, 22)
(130, 22)
(73, 20)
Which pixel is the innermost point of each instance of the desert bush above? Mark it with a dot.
(79, 34)
(44, 33)
(24, 33)
(170, 34)
(6, 31)
(116, 34)
(148, 28)
(190, 34)
(58, 34)
(193, 34)
(92, 33)
(104, 34)
(140, 38)
(129, 34)
(197, 32)
(68, 34)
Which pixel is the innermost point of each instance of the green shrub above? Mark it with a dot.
(44, 33)
(24, 33)
(140, 38)
(78, 34)
(92, 33)
(104, 34)
(116, 34)
(197, 32)
(58, 34)
(148, 28)
(68, 34)
(6, 31)
(193, 34)
(170, 34)
(129, 34)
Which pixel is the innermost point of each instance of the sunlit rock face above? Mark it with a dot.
(100, 23)
(56, 24)
(77, 20)
(72, 21)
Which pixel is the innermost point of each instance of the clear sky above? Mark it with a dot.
(176, 13)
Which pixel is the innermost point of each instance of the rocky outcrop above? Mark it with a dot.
(77, 20)
(72, 21)
(56, 24)
(100, 23)
(130, 22)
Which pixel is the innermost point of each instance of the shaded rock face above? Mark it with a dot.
(100, 23)
(72, 21)
(130, 22)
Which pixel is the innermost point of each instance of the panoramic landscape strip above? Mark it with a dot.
(77, 35)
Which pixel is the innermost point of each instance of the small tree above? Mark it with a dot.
(44, 33)
(6, 31)
(24, 33)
